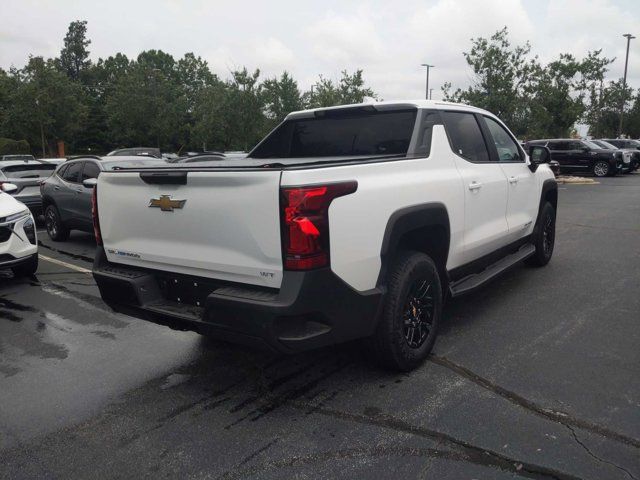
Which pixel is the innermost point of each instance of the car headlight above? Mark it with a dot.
(30, 230)
(15, 216)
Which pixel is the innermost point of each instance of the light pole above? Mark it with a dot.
(624, 82)
(428, 67)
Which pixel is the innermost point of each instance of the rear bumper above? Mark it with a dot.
(310, 310)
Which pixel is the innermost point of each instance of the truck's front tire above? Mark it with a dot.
(409, 322)
(544, 237)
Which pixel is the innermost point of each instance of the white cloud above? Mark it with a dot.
(388, 40)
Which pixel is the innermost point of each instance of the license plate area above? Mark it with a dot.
(185, 290)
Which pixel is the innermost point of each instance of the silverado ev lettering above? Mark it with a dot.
(344, 223)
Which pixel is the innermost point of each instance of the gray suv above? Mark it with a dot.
(66, 195)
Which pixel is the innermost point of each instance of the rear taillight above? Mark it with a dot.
(94, 214)
(304, 216)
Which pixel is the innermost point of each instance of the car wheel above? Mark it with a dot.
(411, 314)
(544, 237)
(26, 269)
(601, 168)
(57, 230)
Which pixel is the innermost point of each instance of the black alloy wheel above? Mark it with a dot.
(418, 313)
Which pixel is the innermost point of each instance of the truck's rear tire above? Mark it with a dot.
(409, 322)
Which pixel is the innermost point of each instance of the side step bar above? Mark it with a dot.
(471, 282)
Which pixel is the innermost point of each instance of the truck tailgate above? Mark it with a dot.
(227, 228)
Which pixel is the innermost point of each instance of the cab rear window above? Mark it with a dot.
(341, 133)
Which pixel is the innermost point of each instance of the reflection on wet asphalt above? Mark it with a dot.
(532, 377)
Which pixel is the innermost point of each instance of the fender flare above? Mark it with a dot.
(548, 185)
(406, 220)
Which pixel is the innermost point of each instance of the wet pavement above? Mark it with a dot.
(535, 376)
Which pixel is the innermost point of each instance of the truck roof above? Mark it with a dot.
(392, 105)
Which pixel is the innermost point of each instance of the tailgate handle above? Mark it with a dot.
(164, 178)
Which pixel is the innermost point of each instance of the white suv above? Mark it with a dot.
(18, 241)
(343, 223)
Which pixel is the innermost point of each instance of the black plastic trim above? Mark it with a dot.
(164, 178)
(406, 220)
(311, 309)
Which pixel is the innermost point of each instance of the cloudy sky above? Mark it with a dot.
(388, 39)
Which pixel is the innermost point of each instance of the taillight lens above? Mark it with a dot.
(304, 215)
(94, 214)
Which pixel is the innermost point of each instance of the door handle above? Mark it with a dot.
(56, 188)
(474, 186)
(513, 180)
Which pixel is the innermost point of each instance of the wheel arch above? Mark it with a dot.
(424, 228)
(549, 193)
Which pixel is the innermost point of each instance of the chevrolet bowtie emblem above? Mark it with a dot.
(165, 203)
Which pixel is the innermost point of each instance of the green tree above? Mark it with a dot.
(46, 106)
(147, 104)
(281, 96)
(350, 89)
(74, 56)
(502, 79)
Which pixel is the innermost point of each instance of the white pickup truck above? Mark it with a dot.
(343, 223)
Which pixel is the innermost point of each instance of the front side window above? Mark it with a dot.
(90, 170)
(72, 173)
(341, 133)
(465, 136)
(507, 148)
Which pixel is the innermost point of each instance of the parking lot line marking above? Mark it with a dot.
(65, 264)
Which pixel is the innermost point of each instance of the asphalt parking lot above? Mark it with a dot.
(536, 376)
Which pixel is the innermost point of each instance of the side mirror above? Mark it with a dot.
(90, 182)
(8, 187)
(538, 155)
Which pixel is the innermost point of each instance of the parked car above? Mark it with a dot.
(343, 223)
(66, 194)
(18, 237)
(135, 151)
(11, 158)
(26, 175)
(629, 160)
(629, 147)
(581, 156)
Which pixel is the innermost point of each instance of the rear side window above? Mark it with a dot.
(28, 171)
(341, 133)
(560, 146)
(72, 173)
(465, 136)
(90, 170)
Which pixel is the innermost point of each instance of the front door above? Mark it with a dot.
(522, 202)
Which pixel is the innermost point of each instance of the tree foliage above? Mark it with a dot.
(536, 99)
(151, 100)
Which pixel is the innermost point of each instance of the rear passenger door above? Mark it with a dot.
(66, 197)
(523, 199)
(560, 153)
(485, 186)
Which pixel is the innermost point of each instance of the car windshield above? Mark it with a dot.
(604, 144)
(592, 145)
(28, 170)
(18, 157)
